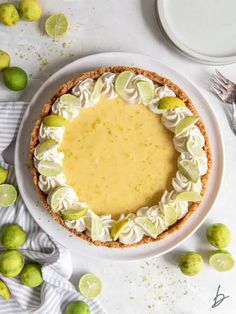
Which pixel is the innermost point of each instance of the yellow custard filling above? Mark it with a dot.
(118, 157)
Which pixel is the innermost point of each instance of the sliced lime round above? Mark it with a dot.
(57, 25)
(49, 168)
(146, 91)
(69, 99)
(4, 290)
(8, 195)
(45, 147)
(170, 102)
(97, 90)
(122, 81)
(190, 170)
(96, 227)
(58, 195)
(193, 148)
(170, 214)
(221, 260)
(3, 175)
(188, 196)
(186, 123)
(73, 214)
(54, 121)
(90, 286)
(146, 224)
(117, 228)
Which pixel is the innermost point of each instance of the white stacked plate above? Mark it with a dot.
(205, 30)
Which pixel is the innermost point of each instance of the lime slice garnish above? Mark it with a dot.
(190, 170)
(146, 91)
(57, 25)
(69, 99)
(189, 196)
(147, 226)
(49, 168)
(8, 195)
(54, 121)
(96, 227)
(193, 148)
(170, 102)
(3, 175)
(97, 90)
(221, 260)
(90, 286)
(57, 196)
(170, 214)
(122, 81)
(4, 290)
(117, 228)
(73, 214)
(45, 147)
(186, 123)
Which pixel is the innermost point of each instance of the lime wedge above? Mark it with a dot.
(3, 175)
(170, 214)
(170, 102)
(69, 99)
(57, 25)
(122, 81)
(146, 91)
(8, 195)
(49, 168)
(188, 196)
(190, 170)
(221, 260)
(147, 226)
(54, 121)
(186, 123)
(45, 147)
(58, 195)
(193, 148)
(97, 90)
(90, 286)
(96, 227)
(73, 214)
(4, 290)
(117, 228)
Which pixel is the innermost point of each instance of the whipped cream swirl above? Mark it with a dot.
(200, 161)
(108, 89)
(66, 110)
(55, 133)
(66, 202)
(83, 90)
(46, 184)
(132, 233)
(159, 92)
(168, 198)
(181, 183)
(170, 118)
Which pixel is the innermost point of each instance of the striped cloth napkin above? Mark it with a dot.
(56, 291)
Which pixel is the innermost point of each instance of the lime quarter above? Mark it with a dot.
(54, 121)
(122, 81)
(15, 78)
(186, 123)
(146, 91)
(57, 25)
(90, 286)
(8, 195)
(188, 196)
(221, 260)
(170, 102)
(73, 214)
(117, 228)
(4, 290)
(190, 170)
(3, 175)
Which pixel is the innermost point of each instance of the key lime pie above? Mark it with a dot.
(120, 156)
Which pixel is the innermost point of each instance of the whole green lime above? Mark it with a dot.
(11, 263)
(191, 263)
(30, 10)
(77, 307)
(9, 14)
(15, 78)
(218, 235)
(4, 60)
(12, 236)
(31, 275)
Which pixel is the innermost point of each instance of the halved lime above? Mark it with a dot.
(54, 121)
(97, 90)
(45, 147)
(122, 81)
(69, 99)
(147, 226)
(193, 147)
(49, 168)
(73, 214)
(190, 170)
(57, 196)
(221, 260)
(170, 102)
(188, 196)
(3, 175)
(57, 25)
(90, 286)
(8, 195)
(4, 290)
(186, 123)
(96, 227)
(146, 91)
(117, 228)
(170, 214)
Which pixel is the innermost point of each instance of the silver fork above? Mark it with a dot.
(226, 91)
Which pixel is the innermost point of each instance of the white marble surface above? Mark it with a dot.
(144, 287)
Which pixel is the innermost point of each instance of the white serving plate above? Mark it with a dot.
(24, 178)
(205, 30)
